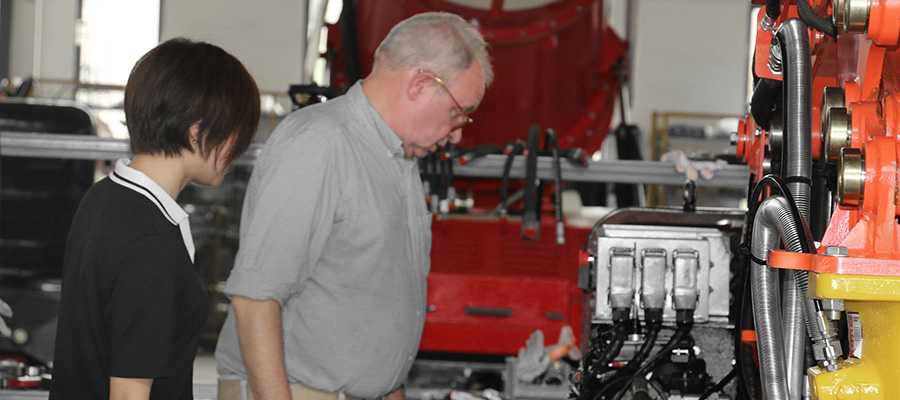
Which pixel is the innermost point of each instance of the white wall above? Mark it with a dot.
(264, 35)
(689, 55)
(56, 40)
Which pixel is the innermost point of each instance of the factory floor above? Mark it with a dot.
(205, 376)
(429, 380)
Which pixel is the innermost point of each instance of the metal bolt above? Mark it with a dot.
(832, 308)
(837, 251)
(21, 336)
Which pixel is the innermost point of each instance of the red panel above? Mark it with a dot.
(483, 264)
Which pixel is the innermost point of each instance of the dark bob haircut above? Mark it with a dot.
(181, 82)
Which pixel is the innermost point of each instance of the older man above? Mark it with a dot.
(328, 288)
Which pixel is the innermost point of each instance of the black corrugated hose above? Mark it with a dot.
(773, 9)
(814, 20)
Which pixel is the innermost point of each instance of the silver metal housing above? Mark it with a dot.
(713, 258)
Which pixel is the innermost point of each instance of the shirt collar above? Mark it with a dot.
(388, 137)
(170, 210)
(139, 182)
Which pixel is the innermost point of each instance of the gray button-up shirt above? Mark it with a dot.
(335, 228)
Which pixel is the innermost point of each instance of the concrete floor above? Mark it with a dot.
(205, 376)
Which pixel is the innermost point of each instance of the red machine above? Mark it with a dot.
(489, 289)
(853, 76)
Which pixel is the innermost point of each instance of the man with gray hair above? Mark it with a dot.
(328, 287)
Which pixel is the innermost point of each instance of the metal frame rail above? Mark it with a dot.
(44, 145)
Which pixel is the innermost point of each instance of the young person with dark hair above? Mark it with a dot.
(132, 303)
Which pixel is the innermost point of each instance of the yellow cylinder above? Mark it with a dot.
(873, 302)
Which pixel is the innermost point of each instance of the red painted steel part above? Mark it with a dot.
(869, 74)
(489, 290)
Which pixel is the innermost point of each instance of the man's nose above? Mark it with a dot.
(456, 136)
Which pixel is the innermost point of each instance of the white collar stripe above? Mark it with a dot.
(144, 191)
(140, 183)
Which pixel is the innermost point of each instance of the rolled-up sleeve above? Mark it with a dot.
(287, 214)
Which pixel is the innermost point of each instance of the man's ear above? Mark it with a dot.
(418, 83)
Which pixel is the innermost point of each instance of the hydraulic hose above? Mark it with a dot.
(814, 20)
(593, 368)
(450, 179)
(531, 224)
(435, 197)
(762, 105)
(653, 317)
(794, 43)
(684, 322)
(478, 152)
(557, 192)
(511, 150)
(773, 9)
(773, 220)
(794, 303)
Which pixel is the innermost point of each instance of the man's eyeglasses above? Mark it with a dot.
(465, 116)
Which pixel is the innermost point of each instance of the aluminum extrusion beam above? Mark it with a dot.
(81, 147)
(611, 171)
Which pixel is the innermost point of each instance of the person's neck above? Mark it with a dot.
(382, 93)
(167, 172)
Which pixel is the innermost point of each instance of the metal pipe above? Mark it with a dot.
(795, 335)
(773, 218)
(794, 43)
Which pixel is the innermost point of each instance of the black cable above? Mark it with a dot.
(434, 196)
(754, 202)
(545, 150)
(600, 365)
(441, 176)
(718, 387)
(447, 157)
(773, 9)
(814, 20)
(531, 222)
(748, 377)
(653, 317)
(478, 152)
(680, 333)
(557, 195)
(511, 150)
(425, 174)
(766, 93)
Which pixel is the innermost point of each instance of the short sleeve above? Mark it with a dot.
(287, 216)
(139, 317)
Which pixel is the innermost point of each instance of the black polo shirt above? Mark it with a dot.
(132, 303)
